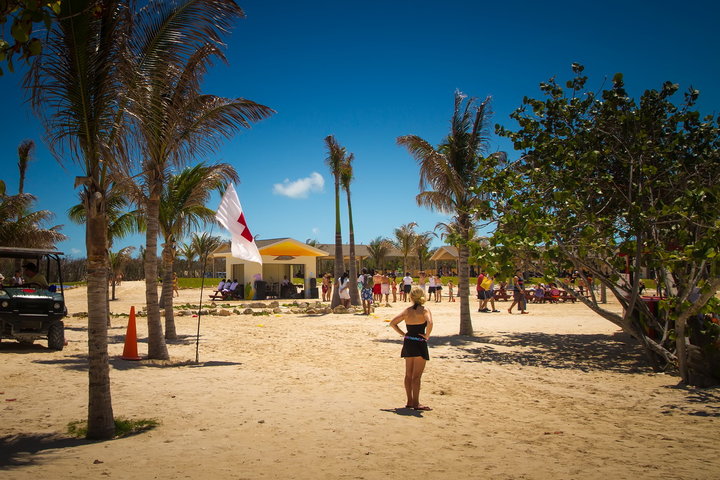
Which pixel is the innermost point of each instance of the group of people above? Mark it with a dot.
(380, 286)
(30, 277)
(485, 288)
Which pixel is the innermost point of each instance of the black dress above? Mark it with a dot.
(414, 345)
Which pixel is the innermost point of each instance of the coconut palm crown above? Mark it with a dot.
(448, 175)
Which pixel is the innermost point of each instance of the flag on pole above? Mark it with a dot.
(230, 215)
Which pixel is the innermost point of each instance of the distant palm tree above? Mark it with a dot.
(80, 76)
(187, 251)
(312, 242)
(346, 178)
(25, 150)
(19, 227)
(405, 241)
(379, 247)
(173, 47)
(117, 263)
(447, 177)
(182, 209)
(334, 160)
(204, 245)
(422, 247)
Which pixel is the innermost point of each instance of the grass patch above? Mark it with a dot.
(124, 427)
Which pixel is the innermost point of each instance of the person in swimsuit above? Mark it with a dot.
(418, 321)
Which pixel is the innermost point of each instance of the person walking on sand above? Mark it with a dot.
(326, 287)
(518, 293)
(419, 325)
(175, 284)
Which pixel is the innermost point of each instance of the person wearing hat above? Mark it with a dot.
(32, 276)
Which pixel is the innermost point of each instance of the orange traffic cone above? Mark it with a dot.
(130, 351)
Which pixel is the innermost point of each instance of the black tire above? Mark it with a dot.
(56, 336)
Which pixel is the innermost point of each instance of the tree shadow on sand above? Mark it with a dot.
(617, 353)
(24, 449)
(80, 363)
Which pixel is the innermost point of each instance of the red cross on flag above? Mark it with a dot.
(230, 215)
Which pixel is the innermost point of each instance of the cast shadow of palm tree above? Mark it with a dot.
(23, 450)
(586, 352)
(80, 363)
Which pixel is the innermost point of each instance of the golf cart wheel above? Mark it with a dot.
(56, 337)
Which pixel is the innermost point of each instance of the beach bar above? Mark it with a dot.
(284, 260)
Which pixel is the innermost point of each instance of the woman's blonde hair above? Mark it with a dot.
(417, 295)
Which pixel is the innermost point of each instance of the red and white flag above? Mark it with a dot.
(230, 215)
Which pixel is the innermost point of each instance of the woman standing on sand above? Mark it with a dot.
(418, 321)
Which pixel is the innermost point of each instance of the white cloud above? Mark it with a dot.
(301, 187)
(75, 251)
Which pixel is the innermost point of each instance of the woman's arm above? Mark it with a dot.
(394, 323)
(428, 319)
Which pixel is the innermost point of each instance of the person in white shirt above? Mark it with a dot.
(407, 285)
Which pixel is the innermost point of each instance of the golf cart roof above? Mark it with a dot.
(17, 252)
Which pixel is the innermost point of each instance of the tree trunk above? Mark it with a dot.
(101, 424)
(157, 349)
(466, 327)
(335, 301)
(354, 293)
(167, 292)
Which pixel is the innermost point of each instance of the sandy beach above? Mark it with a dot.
(560, 393)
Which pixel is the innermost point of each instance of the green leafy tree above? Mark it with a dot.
(182, 209)
(609, 186)
(23, 16)
(449, 175)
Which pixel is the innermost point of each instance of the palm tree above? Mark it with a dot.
(405, 241)
(379, 247)
(334, 160)
(25, 150)
(117, 263)
(346, 178)
(422, 247)
(172, 50)
(204, 244)
(447, 177)
(182, 209)
(19, 227)
(121, 223)
(80, 77)
(187, 251)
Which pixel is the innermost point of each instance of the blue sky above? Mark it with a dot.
(368, 72)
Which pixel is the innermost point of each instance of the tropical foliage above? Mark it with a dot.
(450, 176)
(172, 48)
(610, 187)
(182, 210)
(346, 178)
(335, 160)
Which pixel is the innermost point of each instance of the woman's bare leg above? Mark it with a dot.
(408, 381)
(418, 366)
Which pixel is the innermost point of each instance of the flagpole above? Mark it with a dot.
(202, 287)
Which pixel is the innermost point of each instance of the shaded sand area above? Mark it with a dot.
(559, 393)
